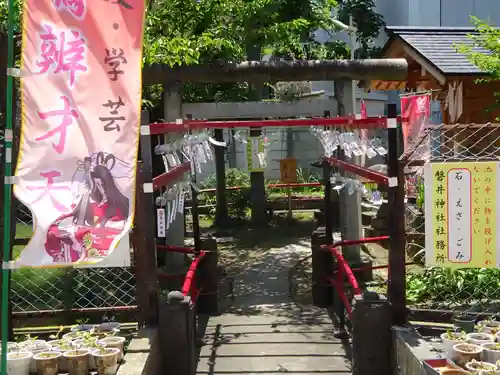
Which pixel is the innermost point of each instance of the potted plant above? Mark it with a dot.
(464, 322)
(63, 346)
(465, 352)
(47, 363)
(73, 335)
(478, 367)
(114, 342)
(78, 361)
(11, 347)
(88, 341)
(18, 362)
(491, 352)
(451, 338)
(35, 346)
(106, 360)
(488, 326)
(480, 338)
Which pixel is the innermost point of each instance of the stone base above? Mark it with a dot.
(143, 356)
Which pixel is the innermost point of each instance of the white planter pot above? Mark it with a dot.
(58, 343)
(480, 338)
(63, 361)
(78, 361)
(80, 344)
(465, 352)
(73, 335)
(114, 342)
(47, 363)
(18, 363)
(107, 361)
(489, 326)
(490, 367)
(11, 347)
(449, 343)
(490, 354)
(35, 347)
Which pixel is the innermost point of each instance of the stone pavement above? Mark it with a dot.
(265, 332)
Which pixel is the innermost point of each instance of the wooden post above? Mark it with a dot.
(395, 198)
(371, 334)
(145, 236)
(178, 334)
(208, 275)
(322, 266)
(221, 213)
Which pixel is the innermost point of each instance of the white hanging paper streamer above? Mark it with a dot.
(182, 197)
(178, 199)
(161, 222)
(208, 150)
(217, 143)
(200, 153)
(241, 136)
(172, 195)
(168, 214)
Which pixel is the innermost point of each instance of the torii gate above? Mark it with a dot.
(341, 71)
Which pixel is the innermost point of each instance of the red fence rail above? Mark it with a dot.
(190, 282)
(344, 271)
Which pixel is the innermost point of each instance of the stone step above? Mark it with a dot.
(255, 344)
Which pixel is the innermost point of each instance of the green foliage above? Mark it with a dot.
(444, 285)
(301, 178)
(487, 38)
(239, 199)
(188, 32)
(366, 20)
(4, 14)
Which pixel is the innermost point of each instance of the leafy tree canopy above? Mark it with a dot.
(487, 38)
(189, 32)
(366, 20)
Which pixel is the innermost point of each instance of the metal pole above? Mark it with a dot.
(8, 136)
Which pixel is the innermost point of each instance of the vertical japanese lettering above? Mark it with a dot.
(49, 188)
(112, 122)
(62, 51)
(77, 8)
(459, 221)
(114, 58)
(65, 116)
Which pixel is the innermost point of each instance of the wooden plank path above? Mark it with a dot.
(257, 336)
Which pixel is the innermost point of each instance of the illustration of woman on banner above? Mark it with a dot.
(98, 215)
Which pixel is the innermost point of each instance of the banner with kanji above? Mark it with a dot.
(81, 100)
(415, 110)
(462, 222)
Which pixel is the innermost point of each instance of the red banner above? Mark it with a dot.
(416, 111)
